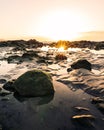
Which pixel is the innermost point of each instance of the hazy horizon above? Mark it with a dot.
(52, 20)
(88, 36)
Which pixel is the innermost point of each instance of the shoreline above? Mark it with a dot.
(71, 97)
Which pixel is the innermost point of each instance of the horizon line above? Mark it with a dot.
(86, 36)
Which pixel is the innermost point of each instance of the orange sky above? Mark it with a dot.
(54, 20)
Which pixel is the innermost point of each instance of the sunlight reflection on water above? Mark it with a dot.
(97, 52)
(5, 67)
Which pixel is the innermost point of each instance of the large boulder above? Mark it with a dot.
(82, 63)
(34, 83)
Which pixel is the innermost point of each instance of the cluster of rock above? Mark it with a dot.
(32, 43)
(21, 44)
(26, 55)
(79, 44)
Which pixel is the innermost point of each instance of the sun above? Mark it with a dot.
(62, 25)
(61, 49)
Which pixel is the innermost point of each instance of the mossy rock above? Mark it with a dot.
(34, 83)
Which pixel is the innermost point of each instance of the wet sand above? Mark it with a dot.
(49, 113)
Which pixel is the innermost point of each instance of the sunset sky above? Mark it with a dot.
(52, 19)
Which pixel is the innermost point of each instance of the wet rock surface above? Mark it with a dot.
(34, 83)
(82, 63)
(100, 106)
(9, 86)
(78, 109)
(2, 81)
(84, 120)
(97, 100)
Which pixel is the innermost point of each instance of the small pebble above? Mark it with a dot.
(81, 109)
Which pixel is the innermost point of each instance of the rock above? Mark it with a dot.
(96, 100)
(101, 107)
(13, 58)
(83, 63)
(18, 48)
(30, 54)
(5, 99)
(81, 109)
(41, 61)
(0, 88)
(9, 86)
(85, 120)
(60, 57)
(69, 69)
(34, 83)
(4, 93)
(50, 61)
(2, 81)
(99, 46)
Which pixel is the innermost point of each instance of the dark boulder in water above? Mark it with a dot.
(34, 83)
(82, 63)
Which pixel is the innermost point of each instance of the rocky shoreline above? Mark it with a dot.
(33, 43)
(78, 100)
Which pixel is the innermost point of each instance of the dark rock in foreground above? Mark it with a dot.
(4, 93)
(101, 107)
(2, 81)
(83, 63)
(34, 83)
(9, 86)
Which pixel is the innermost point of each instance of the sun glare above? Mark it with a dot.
(62, 25)
(45, 48)
(61, 49)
